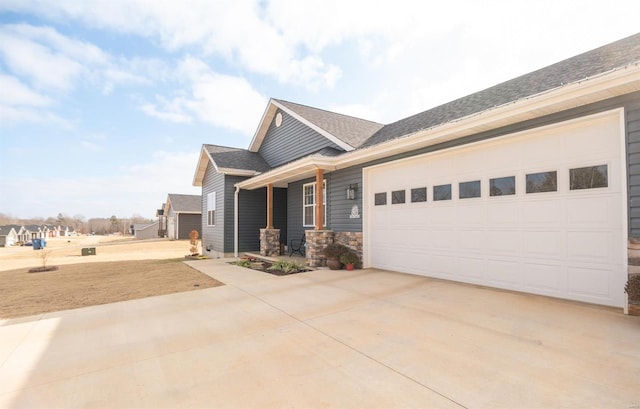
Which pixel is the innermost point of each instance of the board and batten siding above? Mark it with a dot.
(290, 141)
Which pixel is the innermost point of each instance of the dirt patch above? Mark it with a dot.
(86, 284)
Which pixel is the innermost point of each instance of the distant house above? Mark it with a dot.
(34, 231)
(22, 233)
(183, 214)
(530, 185)
(143, 231)
(8, 236)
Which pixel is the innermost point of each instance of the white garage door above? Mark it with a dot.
(543, 211)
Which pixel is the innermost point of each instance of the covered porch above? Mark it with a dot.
(309, 225)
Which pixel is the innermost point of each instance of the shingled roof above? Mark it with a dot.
(351, 130)
(236, 158)
(598, 61)
(185, 203)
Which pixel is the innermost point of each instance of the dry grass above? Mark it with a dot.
(86, 284)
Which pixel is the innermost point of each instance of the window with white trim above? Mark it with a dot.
(211, 209)
(309, 203)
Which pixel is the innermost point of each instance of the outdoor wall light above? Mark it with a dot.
(351, 191)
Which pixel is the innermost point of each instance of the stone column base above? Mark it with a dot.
(269, 242)
(317, 240)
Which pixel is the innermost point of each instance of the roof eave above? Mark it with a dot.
(613, 83)
(267, 118)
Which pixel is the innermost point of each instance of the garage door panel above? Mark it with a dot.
(591, 211)
(503, 241)
(544, 243)
(471, 268)
(590, 245)
(549, 278)
(590, 281)
(504, 272)
(565, 243)
(503, 213)
(543, 212)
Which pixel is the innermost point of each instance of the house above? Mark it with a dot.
(531, 185)
(34, 232)
(8, 236)
(183, 214)
(145, 231)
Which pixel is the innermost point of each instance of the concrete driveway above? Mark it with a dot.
(358, 339)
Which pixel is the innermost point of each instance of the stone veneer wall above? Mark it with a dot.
(317, 240)
(633, 251)
(269, 242)
(351, 239)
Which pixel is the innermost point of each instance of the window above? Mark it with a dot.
(381, 199)
(398, 197)
(542, 182)
(590, 177)
(211, 209)
(419, 195)
(309, 203)
(502, 186)
(442, 192)
(467, 190)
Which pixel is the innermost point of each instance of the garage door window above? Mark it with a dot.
(542, 182)
(468, 190)
(381, 199)
(590, 177)
(502, 186)
(442, 192)
(397, 197)
(419, 195)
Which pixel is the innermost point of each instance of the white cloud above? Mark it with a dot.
(221, 100)
(16, 93)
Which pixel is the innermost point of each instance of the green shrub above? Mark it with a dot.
(632, 288)
(286, 266)
(335, 250)
(243, 263)
(349, 258)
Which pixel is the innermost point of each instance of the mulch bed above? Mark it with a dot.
(263, 265)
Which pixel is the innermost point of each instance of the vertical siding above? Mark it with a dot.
(290, 141)
(632, 116)
(213, 235)
(188, 222)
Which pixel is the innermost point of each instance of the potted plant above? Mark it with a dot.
(333, 252)
(349, 259)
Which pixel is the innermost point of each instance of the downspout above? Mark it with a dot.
(235, 222)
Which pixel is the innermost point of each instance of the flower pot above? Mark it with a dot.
(334, 264)
(349, 267)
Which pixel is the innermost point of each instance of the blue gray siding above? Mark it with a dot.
(291, 141)
(632, 112)
(341, 207)
(213, 236)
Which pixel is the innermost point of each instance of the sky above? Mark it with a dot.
(105, 104)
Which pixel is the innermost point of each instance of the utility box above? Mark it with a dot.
(89, 251)
(39, 244)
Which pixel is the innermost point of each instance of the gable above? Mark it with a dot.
(292, 140)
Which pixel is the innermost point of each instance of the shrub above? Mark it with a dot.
(243, 263)
(286, 266)
(335, 250)
(349, 258)
(633, 288)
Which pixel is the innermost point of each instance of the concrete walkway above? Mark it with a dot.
(360, 339)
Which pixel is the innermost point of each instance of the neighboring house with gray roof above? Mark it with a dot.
(8, 236)
(531, 185)
(183, 214)
(145, 231)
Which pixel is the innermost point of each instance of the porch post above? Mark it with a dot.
(319, 203)
(270, 206)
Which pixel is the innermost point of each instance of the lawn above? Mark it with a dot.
(85, 284)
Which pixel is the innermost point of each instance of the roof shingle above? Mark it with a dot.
(236, 158)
